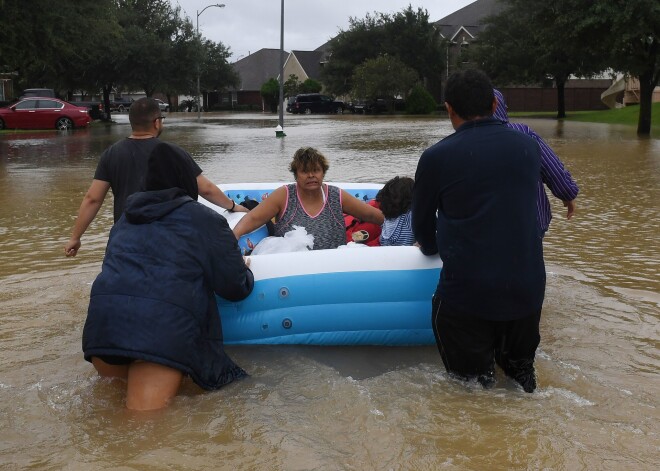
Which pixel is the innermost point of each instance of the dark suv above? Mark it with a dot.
(314, 103)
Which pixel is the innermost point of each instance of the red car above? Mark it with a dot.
(43, 113)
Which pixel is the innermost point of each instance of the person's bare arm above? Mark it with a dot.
(265, 211)
(215, 195)
(361, 210)
(570, 208)
(89, 208)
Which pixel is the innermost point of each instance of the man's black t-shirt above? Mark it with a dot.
(124, 165)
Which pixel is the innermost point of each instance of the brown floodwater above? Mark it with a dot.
(339, 408)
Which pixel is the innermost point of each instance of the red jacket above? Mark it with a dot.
(354, 225)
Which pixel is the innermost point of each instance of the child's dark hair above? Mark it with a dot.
(395, 197)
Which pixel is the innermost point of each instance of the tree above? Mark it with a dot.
(92, 45)
(311, 86)
(292, 86)
(533, 40)
(351, 48)
(628, 35)
(383, 77)
(185, 54)
(101, 71)
(407, 36)
(270, 92)
(150, 27)
(420, 101)
(57, 47)
(217, 74)
(417, 43)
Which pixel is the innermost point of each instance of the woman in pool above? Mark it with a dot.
(309, 203)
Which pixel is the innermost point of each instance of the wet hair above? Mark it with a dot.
(169, 168)
(306, 159)
(470, 93)
(142, 113)
(395, 197)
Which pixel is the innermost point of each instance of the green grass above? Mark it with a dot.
(626, 116)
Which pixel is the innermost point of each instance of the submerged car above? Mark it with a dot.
(314, 103)
(43, 113)
(369, 106)
(162, 105)
(121, 104)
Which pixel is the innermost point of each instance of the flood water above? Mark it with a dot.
(339, 408)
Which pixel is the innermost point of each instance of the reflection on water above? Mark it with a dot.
(338, 408)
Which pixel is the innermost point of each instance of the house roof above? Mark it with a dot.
(258, 68)
(310, 61)
(468, 19)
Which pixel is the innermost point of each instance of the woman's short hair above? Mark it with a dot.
(308, 159)
(395, 197)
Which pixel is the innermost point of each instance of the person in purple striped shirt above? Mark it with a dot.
(553, 174)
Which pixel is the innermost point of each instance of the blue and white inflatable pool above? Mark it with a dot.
(345, 296)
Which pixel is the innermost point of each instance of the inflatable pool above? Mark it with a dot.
(346, 296)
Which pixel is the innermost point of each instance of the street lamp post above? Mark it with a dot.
(199, 108)
(279, 131)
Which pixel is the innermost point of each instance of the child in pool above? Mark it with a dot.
(395, 200)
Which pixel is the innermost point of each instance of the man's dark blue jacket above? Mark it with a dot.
(154, 298)
(482, 182)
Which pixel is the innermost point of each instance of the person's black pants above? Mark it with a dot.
(470, 347)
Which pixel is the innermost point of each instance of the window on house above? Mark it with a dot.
(464, 51)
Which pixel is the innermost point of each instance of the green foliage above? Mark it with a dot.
(628, 35)
(311, 86)
(270, 92)
(52, 47)
(383, 77)
(534, 39)
(351, 48)
(217, 74)
(150, 28)
(407, 36)
(417, 43)
(91, 45)
(292, 86)
(420, 101)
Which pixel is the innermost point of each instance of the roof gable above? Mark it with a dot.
(256, 69)
(468, 18)
(310, 61)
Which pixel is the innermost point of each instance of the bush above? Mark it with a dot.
(420, 101)
(188, 105)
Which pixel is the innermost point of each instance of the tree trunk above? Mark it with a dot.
(646, 86)
(106, 101)
(561, 97)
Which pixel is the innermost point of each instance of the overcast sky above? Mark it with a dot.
(246, 26)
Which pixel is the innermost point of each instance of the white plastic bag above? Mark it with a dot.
(297, 240)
